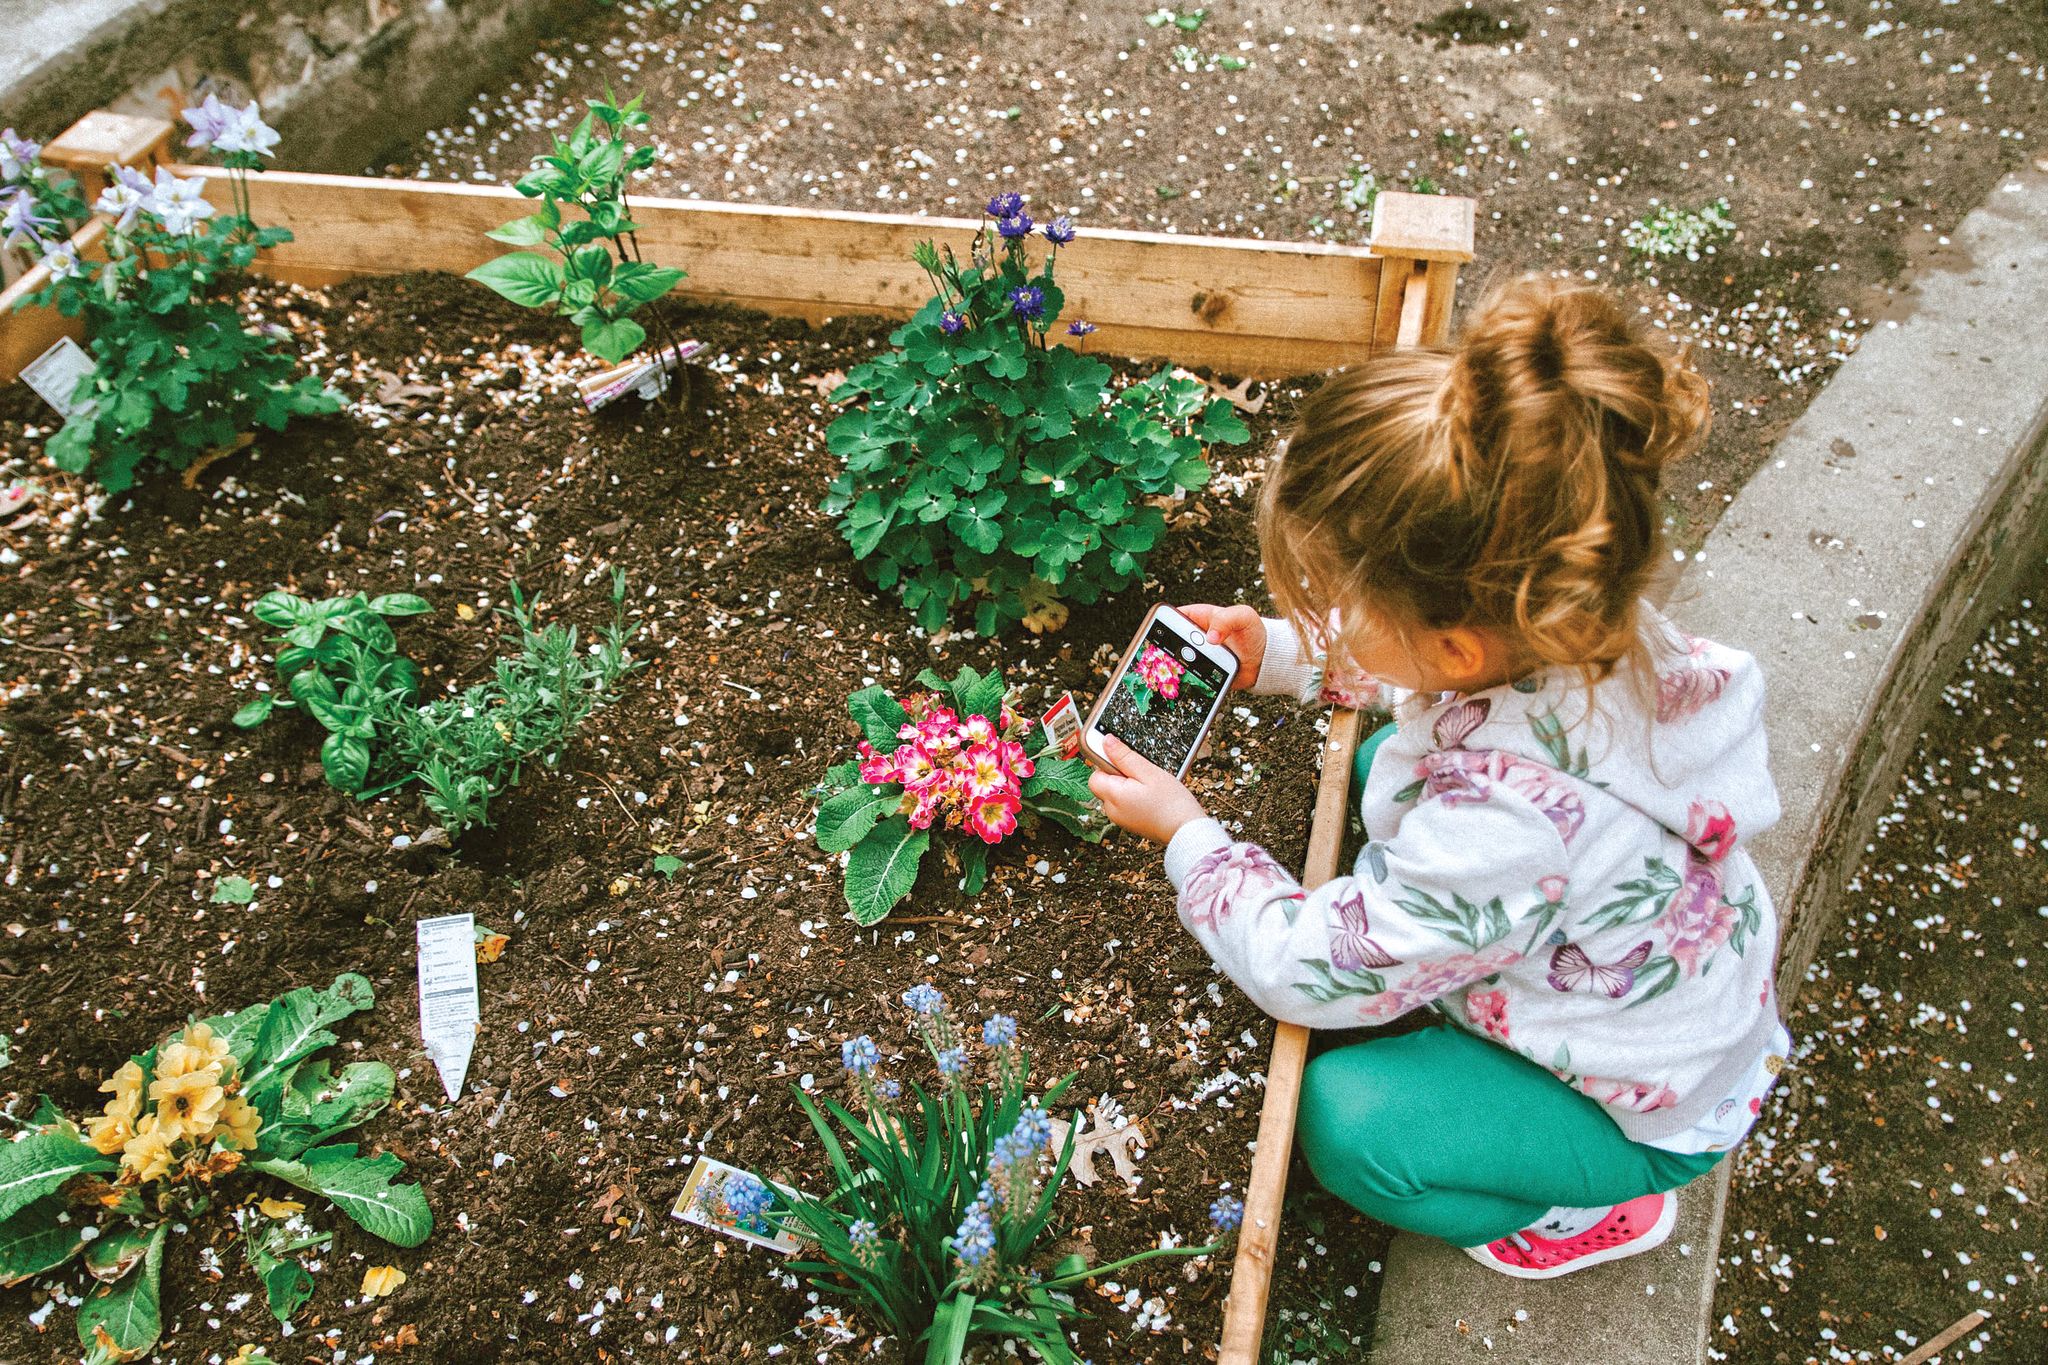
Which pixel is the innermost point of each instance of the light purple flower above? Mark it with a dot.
(209, 119)
(1006, 205)
(1028, 302)
(1015, 229)
(1227, 1213)
(246, 133)
(178, 204)
(121, 201)
(951, 322)
(1060, 230)
(1467, 776)
(17, 156)
(22, 224)
(62, 261)
(1079, 329)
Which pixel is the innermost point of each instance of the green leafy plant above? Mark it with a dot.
(470, 747)
(989, 467)
(1673, 231)
(228, 1095)
(588, 267)
(339, 661)
(942, 1204)
(179, 371)
(952, 758)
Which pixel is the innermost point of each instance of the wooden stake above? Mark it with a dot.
(1251, 1277)
(1956, 1330)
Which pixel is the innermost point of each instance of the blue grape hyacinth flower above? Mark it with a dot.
(924, 998)
(860, 1055)
(998, 1030)
(1227, 1213)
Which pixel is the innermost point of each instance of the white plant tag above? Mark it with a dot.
(448, 1002)
(54, 374)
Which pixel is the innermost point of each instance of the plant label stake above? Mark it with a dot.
(54, 374)
(1062, 727)
(645, 377)
(448, 1003)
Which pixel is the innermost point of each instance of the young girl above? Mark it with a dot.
(1554, 821)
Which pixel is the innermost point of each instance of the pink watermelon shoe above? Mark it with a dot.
(1628, 1229)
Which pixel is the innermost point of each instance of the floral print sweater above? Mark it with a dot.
(1561, 873)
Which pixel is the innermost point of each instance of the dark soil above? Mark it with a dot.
(634, 1020)
(1900, 1181)
(1847, 139)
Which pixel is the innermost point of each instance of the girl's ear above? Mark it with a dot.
(1464, 657)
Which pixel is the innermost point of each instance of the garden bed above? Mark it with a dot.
(635, 1018)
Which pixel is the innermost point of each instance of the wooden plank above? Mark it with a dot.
(1251, 1276)
(1414, 310)
(1439, 296)
(27, 333)
(1395, 278)
(1266, 309)
(1427, 227)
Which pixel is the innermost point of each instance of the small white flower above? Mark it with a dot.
(62, 261)
(179, 204)
(245, 131)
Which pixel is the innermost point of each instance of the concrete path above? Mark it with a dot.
(1858, 565)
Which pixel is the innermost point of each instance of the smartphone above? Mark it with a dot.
(1164, 694)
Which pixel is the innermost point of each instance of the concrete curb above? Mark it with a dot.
(1857, 566)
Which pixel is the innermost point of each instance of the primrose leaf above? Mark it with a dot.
(123, 1320)
(295, 1026)
(845, 819)
(361, 1188)
(882, 868)
(38, 1238)
(879, 716)
(43, 1162)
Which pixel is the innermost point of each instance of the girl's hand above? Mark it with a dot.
(1237, 629)
(1142, 797)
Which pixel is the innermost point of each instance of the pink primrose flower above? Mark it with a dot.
(876, 768)
(995, 818)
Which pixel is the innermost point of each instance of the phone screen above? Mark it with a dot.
(1162, 699)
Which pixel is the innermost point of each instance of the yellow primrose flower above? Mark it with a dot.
(148, 1154)
(380, 1280)
(198, 1049)
(125, 1086)
(188, 1105)
(109, 1132)
(238, 1124)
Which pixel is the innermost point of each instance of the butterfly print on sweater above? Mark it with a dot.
(1572, 967)
(1351, 948)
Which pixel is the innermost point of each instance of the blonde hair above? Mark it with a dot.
(1508, 482)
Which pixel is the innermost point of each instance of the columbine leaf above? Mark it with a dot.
(883, 867)
(361, 1188)
(40, 1163)
(122, 1321)
(38, 1238)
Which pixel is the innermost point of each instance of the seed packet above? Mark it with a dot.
(702, 1202)
(646, 377)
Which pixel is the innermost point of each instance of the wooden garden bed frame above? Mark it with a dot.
(1256, 309)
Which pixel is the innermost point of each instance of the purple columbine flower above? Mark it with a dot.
(246, 133)
(951, 322)
(62, 261)
(1015, 229)
(1005, 205)
(22, 224)
(1060, 230)
(17, 156)
(1028, 302)
(179, 204)
(1079, 329)
(121, 201)
(209, 119)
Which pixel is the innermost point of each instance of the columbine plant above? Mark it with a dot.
(943, 1202)
(590, 267)
(179, 372)
(236, 1093)
(991, 468)
(339, 661)
(950, 758)
(39, 208)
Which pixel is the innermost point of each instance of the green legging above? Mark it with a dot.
(1442, 1132)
